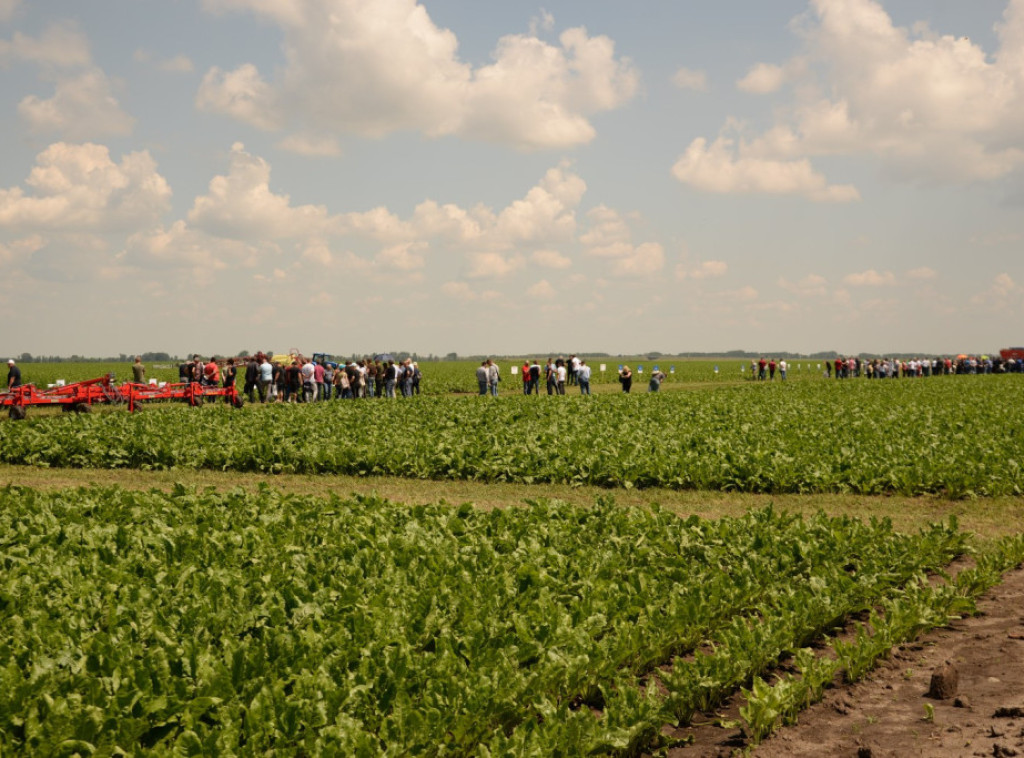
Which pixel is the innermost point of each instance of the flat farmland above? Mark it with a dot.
(186, 580)
(955, 436)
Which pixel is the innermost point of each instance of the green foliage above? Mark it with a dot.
(957, 436)
(244, 623)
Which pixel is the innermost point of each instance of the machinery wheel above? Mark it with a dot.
(238, 402)
(82, 408)
(68, 407)
(17, 412)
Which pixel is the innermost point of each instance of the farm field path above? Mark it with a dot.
(884, 715)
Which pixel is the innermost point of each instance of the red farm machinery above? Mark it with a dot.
(80, 397)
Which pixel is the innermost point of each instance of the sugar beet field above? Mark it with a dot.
(251, 621)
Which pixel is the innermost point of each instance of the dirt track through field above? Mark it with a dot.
(885, 715)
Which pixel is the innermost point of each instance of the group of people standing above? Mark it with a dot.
(765, 369)
(557, 373)
(302, 380)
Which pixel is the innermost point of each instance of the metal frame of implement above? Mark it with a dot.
(79, 397)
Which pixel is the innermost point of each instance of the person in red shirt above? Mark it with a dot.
(526, 377)
(211, 373)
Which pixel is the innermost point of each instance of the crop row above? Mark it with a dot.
(959, 436)
(246, 623)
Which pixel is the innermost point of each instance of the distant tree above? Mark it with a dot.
(452, 357)
(26, 358)
(243, 353)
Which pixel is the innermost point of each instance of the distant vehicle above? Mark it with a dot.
(325, 359)
(1012, 353)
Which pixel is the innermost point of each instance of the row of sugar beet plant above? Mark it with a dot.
(957, 438)
(259, 622)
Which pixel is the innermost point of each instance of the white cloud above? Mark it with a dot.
(546, 213)
(745, 294)
(608, 235)
(870, 278)
(763, 79)
(1003, 293)
(372, 67)
(927, 106)
(465, 292)
(642, 260)
(60, 45)
(545, 22)
(702, 270)
(407, 256)
(242, 94)
(922, 273)
(723, 168)
(492, 265)
(542, 290)
(18, 251)
(551, 259)
(812, 285)
(83, 107)
(198, 255)
(79, 188)
(686, 78)
(241, 205)
(312, 146)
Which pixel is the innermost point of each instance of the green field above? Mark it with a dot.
(228, 617)
(956, 436)
(196, 623)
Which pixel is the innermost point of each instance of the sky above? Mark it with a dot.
(352, 176)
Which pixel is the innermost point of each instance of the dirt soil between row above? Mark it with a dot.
(885, 714)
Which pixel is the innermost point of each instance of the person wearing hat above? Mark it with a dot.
(13, 375)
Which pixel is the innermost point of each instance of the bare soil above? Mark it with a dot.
(885, 714)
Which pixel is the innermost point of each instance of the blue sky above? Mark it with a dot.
(357, 175)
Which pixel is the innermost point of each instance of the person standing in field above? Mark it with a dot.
(252, 378)
(318, 379)
(482, 374)
(549, 377)
(534, 378)
(583, 378)
(230, 373)
(560, 377)
(771, 370)
(655, 383)
(526, 377)
(138, 371)
(783, 367)
(13, 375)
(626, 379)
(266, 376)
(493, 377)
(211, 373)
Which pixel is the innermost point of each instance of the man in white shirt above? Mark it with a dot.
(493, 377)
(583, 378)
(266, 376)
(560, 374)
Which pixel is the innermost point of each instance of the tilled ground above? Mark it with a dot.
(886, 714)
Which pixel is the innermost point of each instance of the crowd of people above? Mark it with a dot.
(894, 368)
(303, 380)
(557, 374)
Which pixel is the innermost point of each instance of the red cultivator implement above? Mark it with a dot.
(80, 397)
